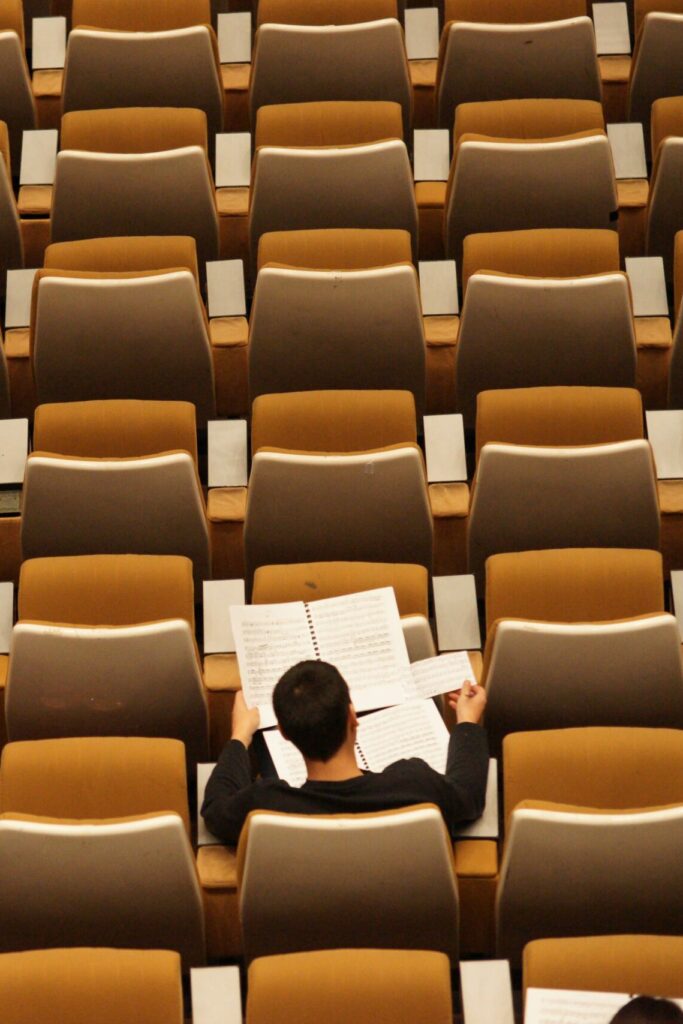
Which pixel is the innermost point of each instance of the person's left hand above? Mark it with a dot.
(245, 721)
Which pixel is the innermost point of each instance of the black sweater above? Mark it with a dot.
(459, 794)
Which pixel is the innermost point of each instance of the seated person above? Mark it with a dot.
(314, 711)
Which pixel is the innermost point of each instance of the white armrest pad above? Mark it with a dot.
(612, 35)
(486, 991)
(431, 154)
(6, 616)
(485, 827)
(648, 285)
(665, 433)
(48, 49)
(445, 448)
(204, 837)
(18, 298)
(218, 596)
(628, 149)
(677, 595)
(233, 159)
(438, 287)
(422, 33)
(234, 38)
(38, 157)
(227, 442)
(216, 996)
(457, 618)
(225, 286)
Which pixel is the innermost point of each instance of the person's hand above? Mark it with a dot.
(468, 703)
(245, 721)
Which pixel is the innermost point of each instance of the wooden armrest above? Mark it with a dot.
(227, 504)
(229, 332)
(217, 868)
(476, 858)
(221, 673)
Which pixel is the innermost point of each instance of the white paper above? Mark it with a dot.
(486, 992)
(438, 287)
(677, 594)
(38, 157)
(431, 154)
(225, 288)
(233, 159)
(422, 33)
(561, 1006)
(415, 729)
(612, 34)
(6, 616)
(485, 827)
(204, 837)
(216, 995)
(288, 762)
(434, 676)
(665, 434)
(48, 48)
(234, 38)
(444, 435)
(227, 453)
(18, 297)
(457, 617)
(648, 285)
(627, 143)
(218, 597)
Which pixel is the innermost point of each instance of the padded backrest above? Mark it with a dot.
(335, 248)
(505, 186)
(666, 119)
(550, 59)
(122, 255)
(576, 331)
(136, 130)
(520, 11)
(332, 123)
(11, 245)
(598, 496)
(130, 16)
(120, 336)
(542, 252)
(527, 119)
(657, 62)
(665, 209)
(558, 416)
(178, 67)
(367, 507)
(400, 986)
(80, 985)
(97, 195)
(317, 330)
(106, 590)
(17, 106)
(323, 12)
(676, 365)
(312, 581)
(297, 64)
(12, 19)
(333, 421)
(378, 880)
(615, 963)
(574, 585)
(355, 187)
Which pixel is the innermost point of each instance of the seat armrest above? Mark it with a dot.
(218, 597)
(234, 38)
(457, 616)
(18, 298)
(665, 433)
(431, 154)
(444, 436)
(486, 992)
(422, 33)
(628, 150)
(612, 36)
(648, 285)
(217, 868)
(38, 157)
(216, 996)
(48, 44)
(475, 858)
(233, 159)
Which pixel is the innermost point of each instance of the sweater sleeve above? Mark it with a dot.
(227, 797)
(466, 773)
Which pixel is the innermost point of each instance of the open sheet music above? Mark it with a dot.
(358, 633)
(560, 1006)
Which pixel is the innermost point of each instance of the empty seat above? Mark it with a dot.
(675, 367)
(335, 248)
(124, 255)
(17, 106)
(332, 123)
(11, 246)
(527, 118)
(665, 209)
(521, 12)
(130, 16)
(324, 12)
(657, 61)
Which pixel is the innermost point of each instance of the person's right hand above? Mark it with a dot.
(468, 703)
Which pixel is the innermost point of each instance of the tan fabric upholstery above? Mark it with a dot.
(81, 985)
(133, 130)
(132, 16)
(368, 986)
(331, 123)
(542, 252)
(115, 429)
(678, 272)
(4, 148)
(122, 255)
(274, 584)
(94, 777)
(335, 248)
(323, 12)
(614, 963)
(559, 416)
(335, 421)
(587, 767)
(666, 119)
(12, 19)
(574, 585)
(528, 119)
(504, 12)
(107, 590)
(643, 7)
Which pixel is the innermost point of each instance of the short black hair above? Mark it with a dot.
(648, 1010)
(311, 703)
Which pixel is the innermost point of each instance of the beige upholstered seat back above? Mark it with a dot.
(497, 62)
(527, 119)
(676, 366)
(614, 963)
(333, 421)
(522, 11)
(643, 7)
(598, 496)
(316, 882)
(574, 585)
(525, 332)
(665, 210)
(335, 248)
(355, 187)
(81, 985)
(299, 63)
(324, 12)
(666, 119)
(178, 67)
(130, 16)
(17, 106)
(400, 986)
(316, 330)
(134, 130)
(657, 64)
(367, 507)
(505, 186)
(123, 255)
(330, 123)
(11, 246)
(122, 336)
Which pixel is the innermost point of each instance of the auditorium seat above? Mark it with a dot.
(364, 985)
(324, 12)
(76, 986)
(11, 245)
(384, 881)
(124, 660)
(657, 60)
(124, 255)
(95, 848)
(135, 171)
(17, 106)
(527, 118)
(665, 209)
(328, 123)
(335, 248)
(676, 368)
(115, 477)
(594, 821)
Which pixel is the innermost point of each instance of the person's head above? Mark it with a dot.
(648, 1010)
(312, 706)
